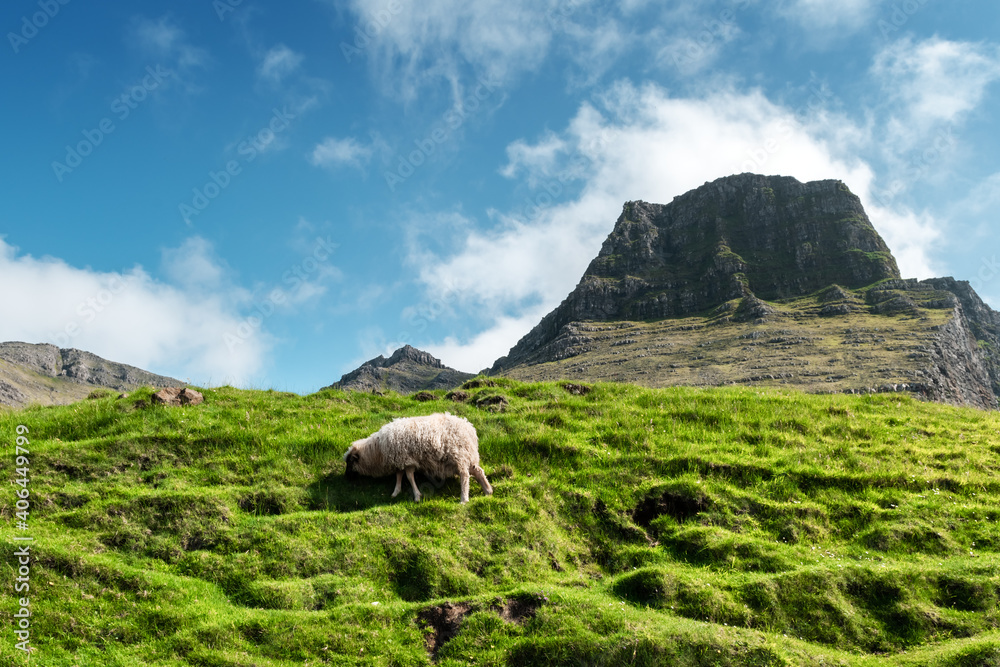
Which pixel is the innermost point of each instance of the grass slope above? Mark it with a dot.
(629, 526)
(804, 345)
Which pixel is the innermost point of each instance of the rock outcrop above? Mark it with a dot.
(749, 255)
(177, 397)
(746, 237)
(407, 370)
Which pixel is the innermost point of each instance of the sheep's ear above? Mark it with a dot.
(348, 452)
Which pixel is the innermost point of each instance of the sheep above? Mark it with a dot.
(440, 445)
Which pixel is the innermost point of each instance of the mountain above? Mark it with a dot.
(763, 280)
(48, 375)
(408, 370)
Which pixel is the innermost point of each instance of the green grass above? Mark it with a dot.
(628, 526)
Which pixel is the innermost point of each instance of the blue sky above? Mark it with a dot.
(266, 194)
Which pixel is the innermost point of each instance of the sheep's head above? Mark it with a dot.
(364, 457)
(352, 457)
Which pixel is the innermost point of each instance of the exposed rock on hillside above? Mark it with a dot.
(10, 395)
(757, 279)
(48, 375)
(408, 370)
(177, 396)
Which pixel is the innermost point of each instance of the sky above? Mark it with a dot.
(267, 194)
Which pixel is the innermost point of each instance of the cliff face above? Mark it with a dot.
(751, 251)
(746, 236)
(982, 321)
(408, 370)
(965, 357)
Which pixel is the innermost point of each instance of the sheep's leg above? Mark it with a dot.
(413, 483)
(480, 476)
(399, 483)
(463, 479)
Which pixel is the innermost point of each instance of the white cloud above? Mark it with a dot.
(972, 229)
(279, 62)
(533, 157)
(163, 39)
(480, 352)
(910, 235)
(934, 80)
(830, 20)
(642, 144)
(194, 265)
(332, 152)
(929, 89)
(593, 41)
(456, 42)
(130, 317)
(984, 197)
(433, 40)
(689, 38)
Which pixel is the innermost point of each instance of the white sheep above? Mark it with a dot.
(440, 445)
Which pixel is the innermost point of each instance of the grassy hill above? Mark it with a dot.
(678, 526)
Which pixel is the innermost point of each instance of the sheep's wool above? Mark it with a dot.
(437, 444)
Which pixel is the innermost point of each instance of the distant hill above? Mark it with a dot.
(408, 370)
(763, 280)
(47, 375)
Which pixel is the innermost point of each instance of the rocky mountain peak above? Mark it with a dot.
(407, 370)
(763, 280)
(410, 353)
(746, 236)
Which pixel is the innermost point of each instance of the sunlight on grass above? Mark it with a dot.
(628, 526)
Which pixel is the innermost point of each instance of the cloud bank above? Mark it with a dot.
(130, 317)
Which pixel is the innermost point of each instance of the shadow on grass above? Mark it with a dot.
(336, 493)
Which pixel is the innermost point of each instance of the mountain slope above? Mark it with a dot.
(406, 371)
(47, 375)
(763, 280)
